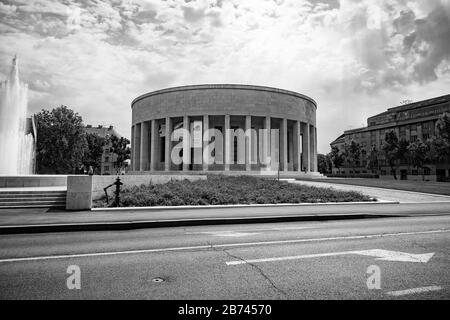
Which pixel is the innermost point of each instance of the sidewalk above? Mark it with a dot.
(44, 220)
(380, 193)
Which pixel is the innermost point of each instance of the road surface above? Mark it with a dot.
(409, 257)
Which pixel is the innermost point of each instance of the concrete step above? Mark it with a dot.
(32, 198)
(32, 204)
(33, 192)
(63, 205)
(13, 199)
(2, 196)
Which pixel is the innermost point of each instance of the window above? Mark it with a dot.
(413, 138)
(426, 136)
(383, 172)
(106, 159)
(106, 168)
(426, 171)
(415, 173)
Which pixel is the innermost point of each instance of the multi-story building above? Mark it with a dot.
(410, 122)
(109, 158)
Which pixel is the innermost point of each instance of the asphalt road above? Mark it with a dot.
(36, 216)
(301, 260)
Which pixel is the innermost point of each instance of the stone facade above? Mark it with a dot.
(225, 107)
(410, 122)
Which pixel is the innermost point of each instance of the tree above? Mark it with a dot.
(324, 163)
(352, 154)
(61, 141)
(395, 151)
(93, 153)
(418, 152)
(120, 146)
(337, 158)
(443, 126)
(373, 163)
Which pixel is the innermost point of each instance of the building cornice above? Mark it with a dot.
(224, 86)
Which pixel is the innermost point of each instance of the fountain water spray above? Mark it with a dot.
(16, 146)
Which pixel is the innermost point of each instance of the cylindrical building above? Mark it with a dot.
(224, 128)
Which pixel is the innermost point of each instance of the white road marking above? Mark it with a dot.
(231, 234)
(380, 254)
(413, 290)
(230, 245)
(245, 231)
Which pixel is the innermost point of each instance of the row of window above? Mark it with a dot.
(427, 132)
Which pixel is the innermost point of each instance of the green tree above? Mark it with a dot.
(61, 141)
(337, 158)
(395, 151)
(443, 126)
(93, 153)
(373, 162)
(418, 154)
(440, 144)
(120, 146)
(324, 163)
(352, 154)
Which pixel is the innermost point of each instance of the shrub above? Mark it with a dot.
(219, 190)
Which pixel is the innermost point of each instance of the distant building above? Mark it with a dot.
(411, 122)
(108, 166)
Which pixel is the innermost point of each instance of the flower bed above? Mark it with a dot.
(221, 190)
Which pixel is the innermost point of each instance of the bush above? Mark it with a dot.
(220, 190)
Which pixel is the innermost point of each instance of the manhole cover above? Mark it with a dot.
(157, 280)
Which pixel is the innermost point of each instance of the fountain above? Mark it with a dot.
(17, 142)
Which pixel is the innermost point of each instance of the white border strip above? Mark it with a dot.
(256, 205)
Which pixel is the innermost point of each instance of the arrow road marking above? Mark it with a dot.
(414, 290)
(380, 254)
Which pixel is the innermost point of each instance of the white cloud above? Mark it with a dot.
(356, 58)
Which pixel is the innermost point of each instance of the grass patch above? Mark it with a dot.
(442, 188)
(220, 190)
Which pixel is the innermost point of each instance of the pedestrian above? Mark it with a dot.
(91, 171)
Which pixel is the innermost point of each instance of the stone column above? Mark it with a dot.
(316, 163)
(144, 147)
(248, 143)
(305, 147)
(137, 147)
(227, 151)
(266, 143)
(297, 146)
(154, 135)
(205, 139)
(132, 148)
(312, 150)
(167, 160)
(186, 144)
(283, 145)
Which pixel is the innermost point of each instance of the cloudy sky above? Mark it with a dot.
(355, 58)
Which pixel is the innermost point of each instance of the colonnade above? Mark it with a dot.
(295, 149)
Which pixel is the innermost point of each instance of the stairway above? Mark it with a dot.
(32, 199)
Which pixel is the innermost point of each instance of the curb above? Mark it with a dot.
(231, 206)
(130, 225)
